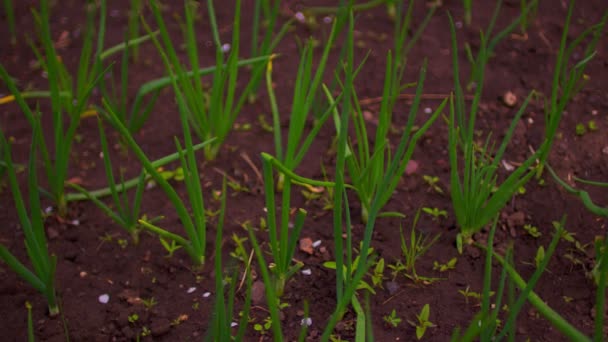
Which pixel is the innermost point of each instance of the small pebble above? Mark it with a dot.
(191, 289)
(225, 48)
(428, 110)
(306, 271)
(316, 244)
(104, 298)
(327, 20)
(206, 294)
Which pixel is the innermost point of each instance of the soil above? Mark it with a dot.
(89, 266)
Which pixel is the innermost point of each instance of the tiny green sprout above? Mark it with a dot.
(541, 182)
(581, 129)
(123, 243)
(263, 328)
(378, 274)
(567, 299)
(450, 265)
(177, 174)
(592, 126)
(242, 127)
(436, 213)
(237, 187)
(239, 252)
(211, 213)
(532, 230)
(397, 268)
(169, 247)
(423, 322)
(336, 338)
(133, 318)
(540, 256)
(471, 294)
(432, 182)
(264, 124)
(521, 190)
(392, 320)
(149, 303)
(195, 306)
(145, 331)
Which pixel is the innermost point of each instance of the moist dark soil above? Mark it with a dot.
(90, 263)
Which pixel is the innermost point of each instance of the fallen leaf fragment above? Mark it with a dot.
(306, 245)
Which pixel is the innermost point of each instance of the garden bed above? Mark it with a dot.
(168, 299)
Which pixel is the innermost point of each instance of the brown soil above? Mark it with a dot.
(88, 267)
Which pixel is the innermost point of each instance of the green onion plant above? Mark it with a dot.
(265, 14)
(223, 310)
(476, 196)
(283, 239)
(42, 278)
(127, 212)
(211, 113)
(307, 85)
(367, 165)
(567, 79)
(194, 224)
(69, 97)
(485, 325)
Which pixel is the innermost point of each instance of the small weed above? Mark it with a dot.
(532, 231)
(581, 129)
(123, 243)
(149, 303)
(423, 322)
(592, 126)
(471, 294)
(432, 182)
(133, 318)
(436, 213)
(378, 274)
(169, 247)
(263, 328)
(392, 320)
(450, 265)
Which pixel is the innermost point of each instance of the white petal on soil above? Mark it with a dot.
(507, 166)
(306, 271)
(327, 20)
(316, 244)
(206, 294)
(233, 324)
(225, 48)
(104, 298)
(48, 210)
(307, 321)
(300, 17)
(428, 110)
(192, 289)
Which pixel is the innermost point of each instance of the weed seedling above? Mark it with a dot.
(149, 303)
(467, 293)
(263, 328)
(581, 129)
(436, 213)
(422, 322)
(170, 246)
(532, 231)
(392, 320)
(415, 248)
(450, 265)
(133, 318)
(432, 182)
